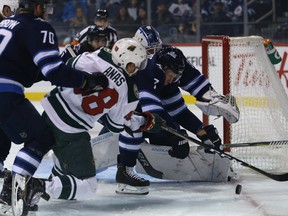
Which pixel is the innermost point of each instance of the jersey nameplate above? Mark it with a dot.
(116, 76)
(10, 24)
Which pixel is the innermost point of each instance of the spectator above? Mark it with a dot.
(163, 18)
(132, 9)
(181, 11)
(219, 16)
(68, 10)
(57, 11)
(206, 9)
(83, 4)
(123, 17)
(142, 16)
(112, 6)
(91, 7)
(80, 20)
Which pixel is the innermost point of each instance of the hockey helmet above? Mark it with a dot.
(13, 4)
(171, 58)
(101, 14)
(95, 32)
(149, 37)
(30, 4)
(129, 50)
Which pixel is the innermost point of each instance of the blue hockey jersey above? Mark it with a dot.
(29, 53)
(167, 100)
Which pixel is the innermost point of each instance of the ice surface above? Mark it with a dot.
(260, 197)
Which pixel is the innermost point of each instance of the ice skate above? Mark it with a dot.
(35, 190)
(26, 193)
(5, 196)
(128, 182)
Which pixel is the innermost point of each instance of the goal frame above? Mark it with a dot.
(225, 70)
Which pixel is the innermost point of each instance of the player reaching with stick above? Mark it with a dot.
(29, 53)
(167, 71)
(70, 113)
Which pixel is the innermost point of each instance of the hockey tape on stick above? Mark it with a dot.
(276, 177)
(269, 143)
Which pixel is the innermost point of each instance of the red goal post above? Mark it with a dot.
(223, 43)
(240, 66)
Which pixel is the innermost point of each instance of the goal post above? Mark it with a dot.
(240, 66)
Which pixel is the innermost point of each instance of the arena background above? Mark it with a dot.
(194, 55)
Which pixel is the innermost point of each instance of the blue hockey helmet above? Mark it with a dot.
(149, 37)
(171, 58)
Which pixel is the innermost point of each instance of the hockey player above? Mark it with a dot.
(100, 20)
(149, 37)
(96, 38)
(159, 93)
(70, 113)
(29, 53)
(8, 8)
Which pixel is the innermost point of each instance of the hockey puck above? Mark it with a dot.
(238, 189)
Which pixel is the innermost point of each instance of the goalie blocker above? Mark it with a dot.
(212, 103)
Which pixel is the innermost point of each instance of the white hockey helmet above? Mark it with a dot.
(149, 37)
(13, 4)
(129, 50)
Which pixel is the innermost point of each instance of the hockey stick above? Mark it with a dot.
(148, 167)
(276, 177)
(269, 143)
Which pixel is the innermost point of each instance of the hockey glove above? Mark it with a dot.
(212, 103)
(180, 147)
(94, 82)
(209, 136)
(153, 122)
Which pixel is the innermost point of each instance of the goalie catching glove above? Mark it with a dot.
(212, 103)
(94, 82)
(209, 136)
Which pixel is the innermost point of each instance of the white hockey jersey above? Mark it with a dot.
(74, 111)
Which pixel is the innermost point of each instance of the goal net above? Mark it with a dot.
(240, 66)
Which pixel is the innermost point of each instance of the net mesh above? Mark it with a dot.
(260, 96)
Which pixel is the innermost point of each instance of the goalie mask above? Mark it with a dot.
(172, 58)
(149, 37)
(129, 50)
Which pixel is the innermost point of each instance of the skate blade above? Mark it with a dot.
(18, 194)
(131, 190)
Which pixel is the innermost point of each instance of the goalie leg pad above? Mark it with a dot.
(131, 190)
(225, 106)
